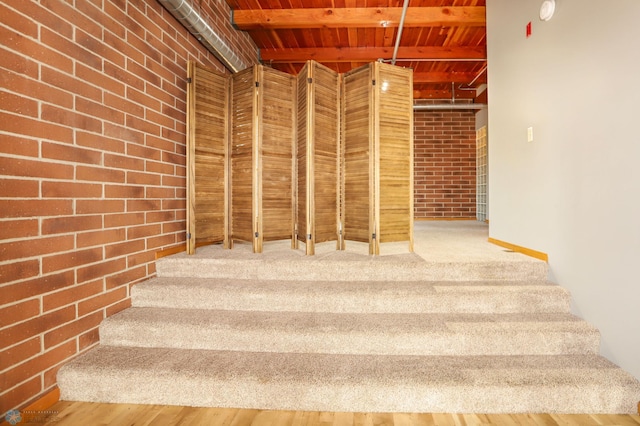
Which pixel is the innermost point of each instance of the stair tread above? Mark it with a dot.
(397, 368)
(364, 382)
(389, 287)
(348, 333)
(341, 267)
(352, 296)
(339, 288)
(349, 322)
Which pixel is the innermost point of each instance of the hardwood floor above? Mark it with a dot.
(66, 413)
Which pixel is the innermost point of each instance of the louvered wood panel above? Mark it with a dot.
(318, 155)
(243, 129)
(277, 137)
(326, 117)
(207, 177)
(394, 154)
(378, 155)
(357, 154)
(302, 178)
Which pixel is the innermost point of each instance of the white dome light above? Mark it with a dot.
(547, 9)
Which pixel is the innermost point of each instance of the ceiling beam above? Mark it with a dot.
(368, 54)
(362, 17)
(446, 77)
(422, 93)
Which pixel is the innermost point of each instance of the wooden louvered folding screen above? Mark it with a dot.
(207, 167)
(378, 155)
(262, 165)
(318, 156)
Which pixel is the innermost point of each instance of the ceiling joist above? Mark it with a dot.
(368, 54)
(445, 41)
(364, 17)
(443, 94)
(446, 77)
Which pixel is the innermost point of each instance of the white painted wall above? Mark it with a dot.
(574, 192)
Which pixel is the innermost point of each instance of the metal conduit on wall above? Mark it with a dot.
(184, 12)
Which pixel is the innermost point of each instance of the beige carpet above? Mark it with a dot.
(458, 326)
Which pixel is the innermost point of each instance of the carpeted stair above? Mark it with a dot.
(351, 333)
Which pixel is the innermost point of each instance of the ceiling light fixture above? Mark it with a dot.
(547, 9)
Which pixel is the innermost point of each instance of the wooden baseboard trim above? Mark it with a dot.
(529, 252)
(172, 250)
(422, 219)
(47, 401)
(42, 404)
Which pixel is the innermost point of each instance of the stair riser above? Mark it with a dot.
(139, 388)
(450, 303)
(468, 343)
(344, 271)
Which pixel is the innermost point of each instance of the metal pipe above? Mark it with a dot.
(400, 27)
(441, 107)
(478, 76)
(473, 81)
(196, 24)
(434, 60)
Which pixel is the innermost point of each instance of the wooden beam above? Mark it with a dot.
(367, 54)
(361, 17)
(422, 93)
(446, 77)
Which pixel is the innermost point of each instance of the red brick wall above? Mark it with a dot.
(444, 165)
(92, 170)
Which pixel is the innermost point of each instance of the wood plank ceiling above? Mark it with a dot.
(444, 41)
